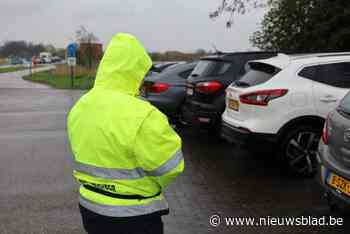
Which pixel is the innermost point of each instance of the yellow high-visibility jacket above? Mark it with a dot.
(125, 152)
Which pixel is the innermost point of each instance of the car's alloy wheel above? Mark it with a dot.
(301, 152)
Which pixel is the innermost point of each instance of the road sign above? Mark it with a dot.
(72, 61)
(72, 50)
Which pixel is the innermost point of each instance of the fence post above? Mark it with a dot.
(72, 76)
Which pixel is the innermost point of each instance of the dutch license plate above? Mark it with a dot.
(189, 91)
(339, 183)
(233, 104)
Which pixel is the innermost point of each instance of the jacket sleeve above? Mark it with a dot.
(158, 149)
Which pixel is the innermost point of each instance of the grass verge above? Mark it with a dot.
(12, 69)
(59, 78)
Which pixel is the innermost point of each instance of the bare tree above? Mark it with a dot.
(84, 36)
(21, 49)
(237, 7)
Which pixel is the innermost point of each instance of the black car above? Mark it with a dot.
(205, 100)
(167, 90)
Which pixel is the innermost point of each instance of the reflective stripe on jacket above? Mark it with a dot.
(121, 145)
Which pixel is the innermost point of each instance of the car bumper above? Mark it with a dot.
(327, 166)
(167, 105)
(330, 190)
(245, 138)
(201, 115)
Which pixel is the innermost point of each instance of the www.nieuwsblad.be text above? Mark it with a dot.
(216, 221)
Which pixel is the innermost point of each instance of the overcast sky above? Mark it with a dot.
(160, 25)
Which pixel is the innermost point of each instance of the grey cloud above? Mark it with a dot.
(160, 25)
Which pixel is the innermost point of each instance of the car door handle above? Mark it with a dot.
(328, 99)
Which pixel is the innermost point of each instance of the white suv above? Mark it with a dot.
(284, 101)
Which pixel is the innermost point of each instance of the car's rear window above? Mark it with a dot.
(182, 70)
(345, 103)
(211, 68)
(257, 73)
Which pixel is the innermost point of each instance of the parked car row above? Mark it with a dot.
(14, 60)
(45, 59)
(264, 100)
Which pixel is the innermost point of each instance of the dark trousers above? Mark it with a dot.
(99, 224)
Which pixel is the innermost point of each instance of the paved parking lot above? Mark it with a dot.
(38, 194)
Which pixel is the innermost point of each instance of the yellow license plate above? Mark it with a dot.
(340, 184)
(233, 104)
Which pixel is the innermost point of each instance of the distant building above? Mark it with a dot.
(89, 54)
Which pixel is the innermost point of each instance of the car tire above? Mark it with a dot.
(298, 150)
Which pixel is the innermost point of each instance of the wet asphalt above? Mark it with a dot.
(38, 194)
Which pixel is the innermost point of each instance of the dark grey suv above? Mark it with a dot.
(334, 152)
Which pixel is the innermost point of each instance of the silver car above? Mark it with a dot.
(334, 154)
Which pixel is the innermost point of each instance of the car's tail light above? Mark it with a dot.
(158, 88)
(208, 87)
(325, 132)
(262, 97)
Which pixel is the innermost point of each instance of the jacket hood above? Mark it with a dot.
(123, 66)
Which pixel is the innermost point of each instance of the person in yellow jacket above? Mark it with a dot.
(125, 153)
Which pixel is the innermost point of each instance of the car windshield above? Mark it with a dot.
(257, 73)
(345, 104)
(211, 68)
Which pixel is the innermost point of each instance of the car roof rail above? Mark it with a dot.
(314, 55)
(305, 55)
(334, 54)
(284, 57)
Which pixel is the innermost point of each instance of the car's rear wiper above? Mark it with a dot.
(239, 83)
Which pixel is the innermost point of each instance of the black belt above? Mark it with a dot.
(119, 196)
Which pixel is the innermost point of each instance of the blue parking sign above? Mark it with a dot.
(72, 50)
